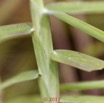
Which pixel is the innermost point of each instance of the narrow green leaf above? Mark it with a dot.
(22, 77)
(78, 60)
(91, 30)
(26, 99)
(15, 31)
(76, 7)
(83, 86)
(82, 99)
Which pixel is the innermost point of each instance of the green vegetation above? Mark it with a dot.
(47, 57)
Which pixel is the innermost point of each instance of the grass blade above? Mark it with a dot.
(78, 60)
(76, 7)
(15, 31)
(82, 99)
(87, 28)
(83, 86)
(22, 77)
(26, 99)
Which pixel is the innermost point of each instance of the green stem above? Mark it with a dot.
(42, 42)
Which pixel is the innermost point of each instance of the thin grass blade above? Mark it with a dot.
(22, 77)
(15, 31)
(82, 99)
(83, 86)
(76, 7)
(26, 99)
(78, 60)
(85, 27)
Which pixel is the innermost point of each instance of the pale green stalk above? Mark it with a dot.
(42, 41)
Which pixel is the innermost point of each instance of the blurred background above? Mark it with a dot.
(18, 55)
